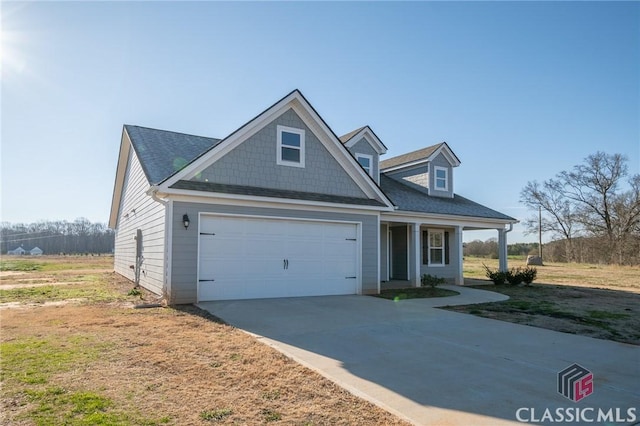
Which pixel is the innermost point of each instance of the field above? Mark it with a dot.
(601, 301)
(75, 351)
(625, 278)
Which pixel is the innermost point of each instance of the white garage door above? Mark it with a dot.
(251, 258)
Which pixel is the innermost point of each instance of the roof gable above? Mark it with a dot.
(420, 156)
(367, 133)
(298, 103)
(254, 163)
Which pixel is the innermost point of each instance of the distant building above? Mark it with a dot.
(19, 251)
(36, 251)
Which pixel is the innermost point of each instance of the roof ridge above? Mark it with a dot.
(347, 136)
(412, 156)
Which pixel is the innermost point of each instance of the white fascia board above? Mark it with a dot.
(370, 137)
(405, 165)
(121, 172)
(448, 154)
(191, 196)
(446, 220)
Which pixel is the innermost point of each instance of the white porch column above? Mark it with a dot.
(458, 245)
(502, 249)
(416, 255)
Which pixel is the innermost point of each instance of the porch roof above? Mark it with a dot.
(412, 198)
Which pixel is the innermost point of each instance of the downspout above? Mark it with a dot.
(153, 193)
(510, 228)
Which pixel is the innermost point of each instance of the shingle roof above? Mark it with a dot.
(410, 157)
(345, 138)
(163, 153)
(411, 198)
(275, 193)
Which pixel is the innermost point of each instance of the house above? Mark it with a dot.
(17, 252)
(36, 251)
(282, 207)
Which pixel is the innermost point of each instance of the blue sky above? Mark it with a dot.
(520, 91)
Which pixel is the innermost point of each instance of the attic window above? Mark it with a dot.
(441, 178)
(365, 161)
(290, 146)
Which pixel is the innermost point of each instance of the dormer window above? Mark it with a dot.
(365, 161)
(290, 146)
(441, 175)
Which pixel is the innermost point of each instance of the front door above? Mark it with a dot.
(398, 252)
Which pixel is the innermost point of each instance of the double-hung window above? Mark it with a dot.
(365, 161)
(290, 146)
(441, 178)
(435, 247)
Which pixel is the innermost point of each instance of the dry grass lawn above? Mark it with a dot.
(98, 360)
(612, 277)
(601, 301)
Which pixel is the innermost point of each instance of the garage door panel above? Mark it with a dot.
(264, 258)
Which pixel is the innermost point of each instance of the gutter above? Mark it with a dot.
(153, 193)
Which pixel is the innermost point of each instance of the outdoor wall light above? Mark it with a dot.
(185, 221)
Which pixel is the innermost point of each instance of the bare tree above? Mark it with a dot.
(603, 211)
(559, 213)
(589, 201)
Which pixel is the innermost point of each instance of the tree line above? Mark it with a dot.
(58, 237)
(489, 248)
(592, 211)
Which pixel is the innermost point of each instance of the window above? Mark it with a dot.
(441, 178)
(366, 162)
(435, 247)
(290, 146)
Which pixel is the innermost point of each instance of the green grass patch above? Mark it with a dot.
(20, 265)
(57, 406)
(271, 415)
(95, 292)
(415, 293)
(34, 360)
(215, 415)
(29, 366)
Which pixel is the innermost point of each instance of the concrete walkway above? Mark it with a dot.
(435, 367)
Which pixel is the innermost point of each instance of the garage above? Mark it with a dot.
(253, 258)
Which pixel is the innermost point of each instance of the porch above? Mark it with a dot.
(410, 249)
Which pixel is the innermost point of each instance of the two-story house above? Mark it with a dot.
(283, 207)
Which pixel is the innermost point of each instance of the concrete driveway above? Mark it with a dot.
(435, 367)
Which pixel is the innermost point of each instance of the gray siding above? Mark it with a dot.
(139, 211)
(253, 163)
(448, 271)
(441, 161)
(184, 250)
(364, 147)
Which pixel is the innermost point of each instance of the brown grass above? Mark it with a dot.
(176, 365)
(616, 277)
